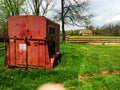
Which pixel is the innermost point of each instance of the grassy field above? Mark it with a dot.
(83, 67)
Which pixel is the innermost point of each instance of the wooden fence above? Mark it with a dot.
(93, 40)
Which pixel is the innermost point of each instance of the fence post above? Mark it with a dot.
(77, 40)
(66, 39)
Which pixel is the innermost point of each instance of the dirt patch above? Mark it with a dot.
(102, 73)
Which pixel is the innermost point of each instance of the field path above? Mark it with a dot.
(102, 73)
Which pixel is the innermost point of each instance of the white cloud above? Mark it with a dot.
(107, 11)
(98, 18)
(114, 19)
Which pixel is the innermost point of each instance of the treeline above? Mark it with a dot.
(72, 32)
(108, 30)
(105, 30)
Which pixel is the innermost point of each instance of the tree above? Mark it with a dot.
(9, 8)
(12, 7)
(40, 7)
(92, 28)
(108, 30)
(63, 19)
(73, 12)
(116, 30)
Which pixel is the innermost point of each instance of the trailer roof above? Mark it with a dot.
(37, 16)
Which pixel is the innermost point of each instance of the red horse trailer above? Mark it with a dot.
(33, 42)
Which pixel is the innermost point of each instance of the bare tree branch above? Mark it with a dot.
(41, 7)
(76, 12)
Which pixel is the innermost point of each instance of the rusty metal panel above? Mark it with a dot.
(36, 27)
(33, 54)
(37, 55)
(16, 26)
(11, 53)
(47, 61)
(17, 53)
(42, 55)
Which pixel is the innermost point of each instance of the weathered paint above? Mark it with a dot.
(28, 42)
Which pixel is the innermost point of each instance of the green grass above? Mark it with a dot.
(76, 59)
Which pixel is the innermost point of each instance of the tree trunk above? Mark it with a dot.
(63, 22)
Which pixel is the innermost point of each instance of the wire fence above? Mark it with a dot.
(2, 49)
(3, 42)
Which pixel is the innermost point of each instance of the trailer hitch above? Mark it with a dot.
(27, 41)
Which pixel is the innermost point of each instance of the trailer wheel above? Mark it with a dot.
(57, 60)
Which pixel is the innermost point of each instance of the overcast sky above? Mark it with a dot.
(106, 11)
